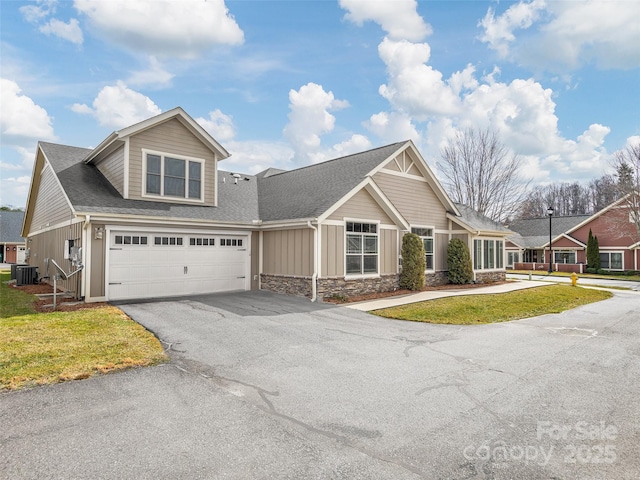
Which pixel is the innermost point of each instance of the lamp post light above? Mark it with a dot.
(550, 214)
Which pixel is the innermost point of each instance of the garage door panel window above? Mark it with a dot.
(168, 241)
(200, 241)
(231, 242)
(173, 176)
(130, 240)
(362, 248)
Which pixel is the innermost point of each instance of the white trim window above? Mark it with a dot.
(564, 256)
(428, 242)
(361, 250)
(488, 254)
(173, 176)
(612, 260)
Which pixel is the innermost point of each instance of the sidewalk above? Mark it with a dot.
(431, 295)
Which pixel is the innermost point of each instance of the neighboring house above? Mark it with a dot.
(12, 245)
(528, 248)
(154, 216)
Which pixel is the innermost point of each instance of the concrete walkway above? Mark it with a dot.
(433, 294)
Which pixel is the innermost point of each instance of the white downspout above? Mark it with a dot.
(314, 276)
(86, 239)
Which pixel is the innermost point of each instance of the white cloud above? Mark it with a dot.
(498, 32)
(398, 18)
(255, 156)
(393, 127)
(567, 34)
(415, 87)
(41, 9)
(14, 190)
(219, 125)
(357, 143)
(154, 76)
(309, 118)
(68, 31)
(22, 121)
(117, 106)
(164, 28)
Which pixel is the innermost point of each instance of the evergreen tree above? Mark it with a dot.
(459, 262)
(413, 262)
(593, 252)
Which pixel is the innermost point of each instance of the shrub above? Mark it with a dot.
(413, 262)
(459, 262)
(592, 270)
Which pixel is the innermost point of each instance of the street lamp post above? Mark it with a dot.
(550, 214)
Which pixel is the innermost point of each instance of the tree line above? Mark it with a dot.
(479, 171)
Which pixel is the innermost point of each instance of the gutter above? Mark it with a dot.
(314, 276)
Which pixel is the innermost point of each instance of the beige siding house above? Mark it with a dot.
(149, 213)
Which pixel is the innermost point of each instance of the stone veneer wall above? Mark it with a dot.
(489, 277)
(436, 279)
(301, 285)
(288, 284)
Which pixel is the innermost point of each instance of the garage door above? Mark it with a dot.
(150, 265)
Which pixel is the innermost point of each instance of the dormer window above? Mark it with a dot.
(168, 175)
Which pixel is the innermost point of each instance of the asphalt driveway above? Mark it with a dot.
(268, 386)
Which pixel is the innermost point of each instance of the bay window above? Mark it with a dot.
(488, 254)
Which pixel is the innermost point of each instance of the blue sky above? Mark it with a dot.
(289, 83)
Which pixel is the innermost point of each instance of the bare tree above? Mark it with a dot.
(479, 171)
(627, 165)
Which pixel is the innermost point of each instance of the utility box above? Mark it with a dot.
(26, 275)
(14, 269)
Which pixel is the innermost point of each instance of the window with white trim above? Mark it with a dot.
(173, 176)
(172, 241)
(611, 260)
(488, 254)
(426, 235)
(362, 248)
(512, 257)
(564, 256)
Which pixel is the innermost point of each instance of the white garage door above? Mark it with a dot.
(149, 265)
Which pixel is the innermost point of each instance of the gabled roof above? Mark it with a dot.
(476, 222)
(534, 232)
(90, 192)
(177, 113)
(11, 227)
(309, 191)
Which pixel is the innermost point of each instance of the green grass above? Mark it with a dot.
(502, 307)
(44, 348)
(13, 301)
(631, 278)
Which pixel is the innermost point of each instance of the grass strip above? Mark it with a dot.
(40, 349)
(502, 307)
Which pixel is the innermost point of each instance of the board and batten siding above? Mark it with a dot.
(288, 252)
(51, 245)
(112, 167)
(441, 244)
(170, 137)
(333, 255)
(361, 206)
(51, 206)
(415, 200)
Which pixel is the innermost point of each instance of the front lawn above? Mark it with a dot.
(478, 309)
(43, 348)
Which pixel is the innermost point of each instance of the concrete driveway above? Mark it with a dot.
(268, 386)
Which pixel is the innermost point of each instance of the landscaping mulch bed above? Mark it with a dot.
(63, 304)
(399, 292)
